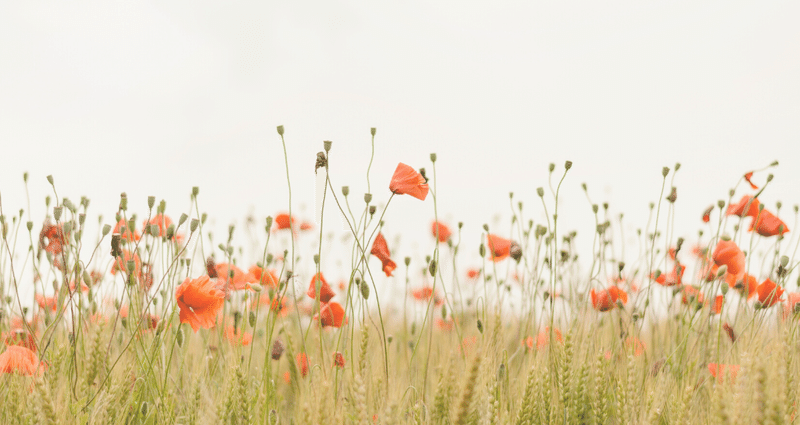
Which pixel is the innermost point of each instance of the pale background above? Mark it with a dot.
(153, 98)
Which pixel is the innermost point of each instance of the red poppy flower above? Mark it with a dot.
(747, 207)
(607, 298)
(381, 250)
(52, 238)
(199, 302)
(707, 214)
(769, 293)
(467, 344)
(717, 307)
(338, 360)
(691, 294)
(635, 344)
(792, 304)
(121, 263)
(128, 235)
(767, 224)
(18, 359)
(473, 273)
(332, 315)
(747, 177)
(499, 248)
(425, 293)
(407, 181)
(718, 371)
(445, 325)
(302, 363)
(440, 231)
(543, 338)
(325, 291)
(305, 226)
(729, 254)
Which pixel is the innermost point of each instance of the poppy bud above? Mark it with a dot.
(372, 130)
(540, 191)
(280, 130)
(277, 349)
(784, 261)
(389, 339)
(413, 328)
(480, 326)
(170, 231)
(407, 261)
(482, 250)
(364, 288)
(722, 270)
(251, 319)
(367, 197)
(372, 209)
(656, 274)
(316, 259)
(327, 144)
(444, 312)
(665, 171)
(193, 224)
(162, 206)
(151, 200)
(595, 208)
(123, 201)
(57, 213)
(770, 177)
(345, 190)
(50, 179)
(501, 371)
(551, 167)
(568, 165)
(432, 268)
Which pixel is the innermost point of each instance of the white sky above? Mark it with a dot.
(153, 98)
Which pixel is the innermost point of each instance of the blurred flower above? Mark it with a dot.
(381, 250)
(441, 231)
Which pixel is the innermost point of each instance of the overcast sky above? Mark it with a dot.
(153, 98)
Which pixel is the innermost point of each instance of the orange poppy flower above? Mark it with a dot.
(691, 294)
(21, 338)
(636, 345)
(407, 181)
(240, 278)
(381, 250)
(425, 293)
(747, 177)
(440, 231)
(717, 307)
(264, 277)
(747, 207)
(767, 224)
(543, 338)
(332, 315)
(283, 221)
(52, 238)
(792, 304)
(338, 360)
(237, 336)
(47, 303)
(672, 278)
(473, 273)
(128, 235)
(162, 221)
(18, 359)
(718, 371)
(325, 291)
(499, 248)
(302, 363)
(607, 298)
(746, 286)
(306, 226)
(445, 325)
(199, 302)
(769, 293)
(121, 263)
(729, 254)
(467, 344)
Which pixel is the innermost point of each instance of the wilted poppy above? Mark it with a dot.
(747, 207)
(499, 248)
(332, 314)
(440, 231)
(769, 293)
(607, 298)
(381, 250)
(747, 177)
(407, 181)
(767, 224)
(325, 291)
(199, 302)
(338, 360)
(18, 359)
